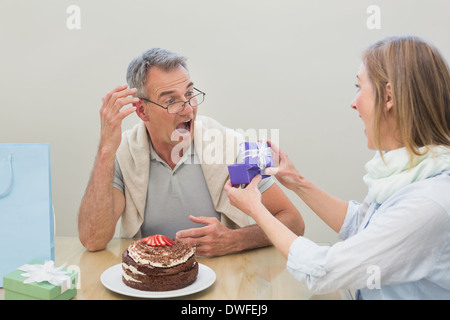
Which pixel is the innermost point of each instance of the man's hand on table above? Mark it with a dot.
(214, 239)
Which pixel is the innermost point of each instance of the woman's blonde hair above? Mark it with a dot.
(419, 81)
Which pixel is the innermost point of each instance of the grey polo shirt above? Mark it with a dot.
(175, 194)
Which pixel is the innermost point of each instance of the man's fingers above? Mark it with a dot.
(126, 112)
(116, 99)
(116, 94)
(121, 102)
(192, 233)
(203, 220)
(116, 112)
(108, 96)
(119, 99)
(197, 232)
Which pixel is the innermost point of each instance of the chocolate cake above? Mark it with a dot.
(157, 263)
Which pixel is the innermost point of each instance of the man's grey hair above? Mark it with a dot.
(156, 57)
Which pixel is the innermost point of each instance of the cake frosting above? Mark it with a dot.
(161, 257)
(152, 266)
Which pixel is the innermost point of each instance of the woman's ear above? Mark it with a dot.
(389, 101)
(140, 110)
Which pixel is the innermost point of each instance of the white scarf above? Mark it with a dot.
(384, 178)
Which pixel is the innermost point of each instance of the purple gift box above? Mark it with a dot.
(257, 156)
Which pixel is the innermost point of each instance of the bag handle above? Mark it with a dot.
(8, 188)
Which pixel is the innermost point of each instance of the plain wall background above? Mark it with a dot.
(287, 65)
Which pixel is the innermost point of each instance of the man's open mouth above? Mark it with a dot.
(184, 127)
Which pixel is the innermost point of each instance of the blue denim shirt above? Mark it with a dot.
(399, 249)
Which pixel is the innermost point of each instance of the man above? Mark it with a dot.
(157, 177)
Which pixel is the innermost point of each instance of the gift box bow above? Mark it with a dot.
(47, 272)
(257, 154)
(256, 157)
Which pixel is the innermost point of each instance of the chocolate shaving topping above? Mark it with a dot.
(163, 255)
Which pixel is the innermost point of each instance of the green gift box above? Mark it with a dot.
(17, 288)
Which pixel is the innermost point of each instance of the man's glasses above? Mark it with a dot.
(178, 106)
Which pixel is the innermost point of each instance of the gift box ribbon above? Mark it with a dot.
(262, 152)
(46, 272)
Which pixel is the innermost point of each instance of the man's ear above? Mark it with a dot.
(389, 100)
(141, 110)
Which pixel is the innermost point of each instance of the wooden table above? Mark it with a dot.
(255, 274)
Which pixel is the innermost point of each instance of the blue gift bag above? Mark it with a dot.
(26, 212)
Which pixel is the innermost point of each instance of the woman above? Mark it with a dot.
(397, 242)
